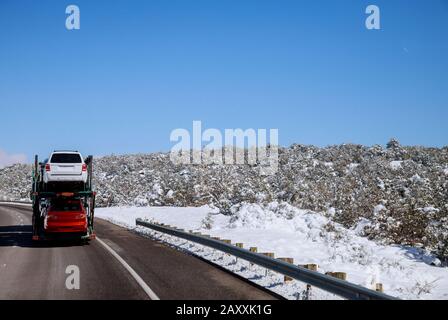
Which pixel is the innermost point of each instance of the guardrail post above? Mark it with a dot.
(287, 279)
(269, 255)
(338, 275)
(311, 266)
(227, 241)
(238, 245)
(309, 289)
(253, 250)
(379, 287)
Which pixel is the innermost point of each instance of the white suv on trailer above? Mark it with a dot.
(65, 166)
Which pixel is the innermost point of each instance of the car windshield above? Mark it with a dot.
(65, 206)
(66, 158)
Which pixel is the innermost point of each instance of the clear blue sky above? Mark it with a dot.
(139, 69)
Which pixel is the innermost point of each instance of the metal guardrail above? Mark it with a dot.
(15, 201)
(333, 285)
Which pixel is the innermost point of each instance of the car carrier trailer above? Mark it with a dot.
(66, 212)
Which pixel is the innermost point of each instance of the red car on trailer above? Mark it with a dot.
(66, 216)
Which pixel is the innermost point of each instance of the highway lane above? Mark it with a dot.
(38, 271)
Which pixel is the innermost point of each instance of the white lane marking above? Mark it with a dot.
(134, 274)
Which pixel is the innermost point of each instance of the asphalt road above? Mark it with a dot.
(38, 271)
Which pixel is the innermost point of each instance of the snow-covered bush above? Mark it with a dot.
(347, 182)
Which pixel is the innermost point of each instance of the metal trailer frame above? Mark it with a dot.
(39, 198)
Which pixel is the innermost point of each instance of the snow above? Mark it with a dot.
(188, 218)
(141, 201)
(377, 210)
(170, 194)
(352, 166)
(430, 209)
(329, 164)
(395, 165)
(361, 225)
(381, 184)
(417, 179)
(331, 212)
(306, 236)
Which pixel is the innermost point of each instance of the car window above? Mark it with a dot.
(65, 206)
(66, 158)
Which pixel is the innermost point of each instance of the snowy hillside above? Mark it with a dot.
(307, 237)
(398, 194)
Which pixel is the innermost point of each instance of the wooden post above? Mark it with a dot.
(269, 254)
(253, 250)
(379, 287)
(312, 267)
(228, 242)
(287, 260)
(338, 275)
(238, 245)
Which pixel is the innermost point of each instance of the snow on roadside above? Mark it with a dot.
(306, 236)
